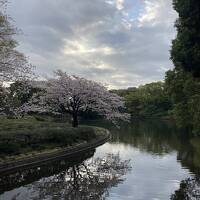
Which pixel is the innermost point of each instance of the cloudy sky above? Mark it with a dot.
(121, 43)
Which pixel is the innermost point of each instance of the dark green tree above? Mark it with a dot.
(184, 91)
(147, 101)
(183, 83)
(185, 51)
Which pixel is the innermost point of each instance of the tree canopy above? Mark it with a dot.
(147, 101)
(185, 51)
(72, 95)
(183, 83)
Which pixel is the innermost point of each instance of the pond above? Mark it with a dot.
(144, 160)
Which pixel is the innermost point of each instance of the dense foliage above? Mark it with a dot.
(185, 51)
(147, 101)
(183, 83)
(184, 91)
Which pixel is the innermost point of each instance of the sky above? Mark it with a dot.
(120, 43)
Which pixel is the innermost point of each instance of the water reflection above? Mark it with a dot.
(189, 190)
(189, 156)
(153, 137)
(91, 179)
(160, 143)
(15, 179)
(160, 138)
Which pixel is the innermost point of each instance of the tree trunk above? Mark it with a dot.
(75, 120)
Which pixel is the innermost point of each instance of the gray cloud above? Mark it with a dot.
(121, 45)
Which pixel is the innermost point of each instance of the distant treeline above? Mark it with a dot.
(147, 101)
(178, 98)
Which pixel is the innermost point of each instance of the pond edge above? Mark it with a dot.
(67, 152)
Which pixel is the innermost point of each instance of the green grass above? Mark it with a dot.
(29, 124)
(28, 135)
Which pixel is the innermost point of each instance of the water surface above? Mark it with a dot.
(144, 160)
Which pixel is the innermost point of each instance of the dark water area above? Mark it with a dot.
(144, 160)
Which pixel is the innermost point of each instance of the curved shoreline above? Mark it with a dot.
(43, 158)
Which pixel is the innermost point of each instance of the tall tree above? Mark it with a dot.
(183, 83)
(13, 64)
(185, 51)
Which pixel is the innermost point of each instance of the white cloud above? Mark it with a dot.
(155, 12)
(120, 4)
(151, 12)
(79, 47)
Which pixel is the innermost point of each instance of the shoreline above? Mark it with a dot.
(43, 158)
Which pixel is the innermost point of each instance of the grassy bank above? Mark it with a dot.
(22, 137)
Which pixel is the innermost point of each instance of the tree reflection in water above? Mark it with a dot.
(27, 175)
(189, 190)
(89, 180)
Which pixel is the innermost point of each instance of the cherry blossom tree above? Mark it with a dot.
(13, 64)
(72, 94)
